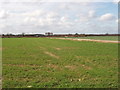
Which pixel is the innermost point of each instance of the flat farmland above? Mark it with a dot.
(56, 63)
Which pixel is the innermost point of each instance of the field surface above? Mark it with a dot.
(56, 63)
(111, 38)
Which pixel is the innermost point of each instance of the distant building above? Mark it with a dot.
(39, 35)
(48, 33)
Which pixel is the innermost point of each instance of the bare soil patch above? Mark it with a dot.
(52, 66)
(57, 48)
(71, 67)
(85, 67)
(93, 40)
(1, 48)
(52, 55)
(103, 41)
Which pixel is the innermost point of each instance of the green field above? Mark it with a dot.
(112, 38)
(52, 63)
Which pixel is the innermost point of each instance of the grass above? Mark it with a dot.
(52, 63)
(112, 38)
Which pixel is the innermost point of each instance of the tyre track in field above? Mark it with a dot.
(51, 54)
(46, 52)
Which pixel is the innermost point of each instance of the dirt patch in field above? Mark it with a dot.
(93, 40)
(1, 48)
(71, 67)
(85, 67)
(102, 41)
(52, 66)
(57, 48)
(52, 55)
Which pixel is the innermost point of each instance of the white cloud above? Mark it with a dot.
(57, 17)
(115, 1)
(65, 6)
(41, 22)
(3, 14)
(107, 17)
(2, 26)
(41, 18)
(44, 22)
(117, 21)
(65, 22)
(63, 19)
(84, 17)
(34, 13)
(48, 19)
(91, 14)
(51, 15)
(30, 19)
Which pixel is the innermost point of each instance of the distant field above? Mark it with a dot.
(112, 38)
(54, 63)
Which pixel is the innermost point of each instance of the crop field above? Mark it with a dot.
(112, 38)
(56, 63)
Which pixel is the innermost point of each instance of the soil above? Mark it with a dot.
(102, 41)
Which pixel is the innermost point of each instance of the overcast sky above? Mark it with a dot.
(58, 17)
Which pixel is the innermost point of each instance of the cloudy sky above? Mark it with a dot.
(18, 16)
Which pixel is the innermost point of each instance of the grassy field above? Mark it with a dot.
(112, 38)
(44, 62)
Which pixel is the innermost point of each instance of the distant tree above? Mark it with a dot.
(76, 34)
(8, 34)
(23, 34)
(107, 33)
